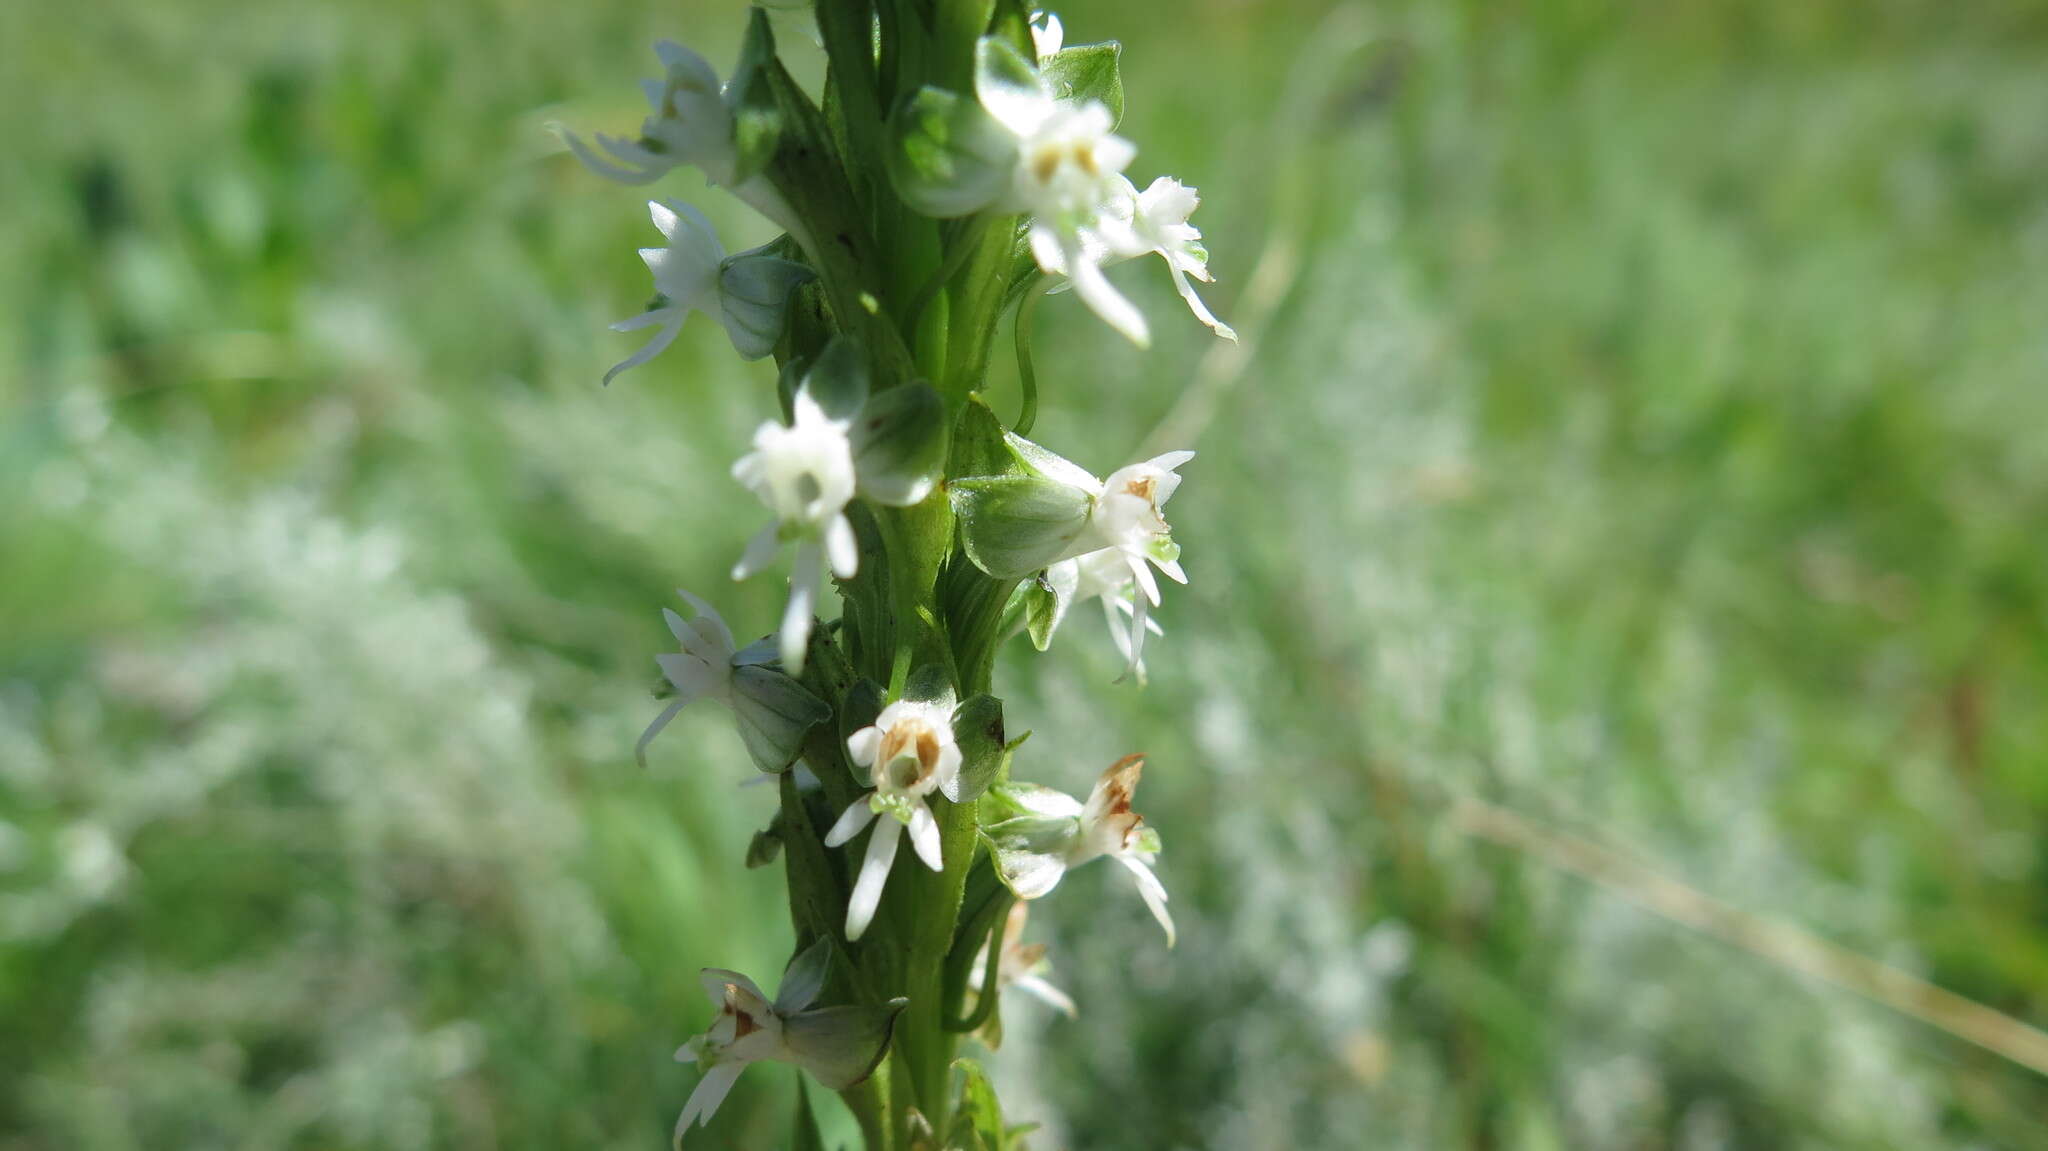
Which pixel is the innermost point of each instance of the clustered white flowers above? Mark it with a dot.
(945, 531)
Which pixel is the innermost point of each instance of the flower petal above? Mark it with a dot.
(710, 1092)
(924, 837)
(654, 729)
(1153, 891)
(759, 554)
(840, 547)
(856, 816)
(874, 872)
(653, 347)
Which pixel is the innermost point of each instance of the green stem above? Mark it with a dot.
(985, 1002)
(1027, 376)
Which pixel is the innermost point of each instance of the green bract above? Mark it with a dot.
(946, 157)
(1088, 72)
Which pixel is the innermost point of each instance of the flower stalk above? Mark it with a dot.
(961, 162)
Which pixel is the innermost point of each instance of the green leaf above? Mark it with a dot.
(756, 114)
(899, 445)
(984, 749)
(947, 157)
(1043, 602)
(1088, 72)
(978, 1120)
(1013, 525)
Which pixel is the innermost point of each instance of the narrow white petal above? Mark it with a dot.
(1195, 304)
(924, 836)
(661, 340)
(862, 745)
(648, 319)
(856, 816)
(654, 729)
(1172, 570)
(611, 171)
(710, 1092)
(874, 872)
(840, 547)
(759, 554)
(1105, 301)
(1046, 992)
(664, 219)
(1153, 891)
(1146, 584)
(796, 618)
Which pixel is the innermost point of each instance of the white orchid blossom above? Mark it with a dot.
(1124, 517)
(1156, 221)
(746, 293)
(1067, 179)
(910, 752)
(839, 1046)
(804, 473)
(1021, 965)
(688, 124)
(1055, 833)
(773, 711)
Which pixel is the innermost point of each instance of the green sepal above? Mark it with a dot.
(899, 445)
(838, 378)
(1011, 23)
(1041, 602)
(774, 713)
(947, 156)
(757, 120)
(978, 447)
(1088, 72)
(984, 749)
(1014, 525)
(928, 683)
(754, 290)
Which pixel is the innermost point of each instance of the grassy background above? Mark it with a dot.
(1639, 433)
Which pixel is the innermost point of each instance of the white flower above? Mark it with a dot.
(1068, 178)
(839, 1046)
(685, 277)
(1056, 833)
(1105, 574)
(773, 711)
(1046, 35)
(688, 124)
(1158, 222)
(1127, 517)
(1021, 965)
(804, 473)
(748, 293)
(909, 752)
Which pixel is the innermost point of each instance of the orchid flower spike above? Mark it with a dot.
(688, 125)
(747, 293)
(773, 711)
(804, 473)
(839, 1046)
(909, 751)
(1053, 833)
(1021, 965)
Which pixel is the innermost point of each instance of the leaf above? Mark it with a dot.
(1011, 526)
(947, 156)
(899, 444)
(756, 113)
(1088, 72)
(978, 1119)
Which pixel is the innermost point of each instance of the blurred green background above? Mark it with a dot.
(1634, 472)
